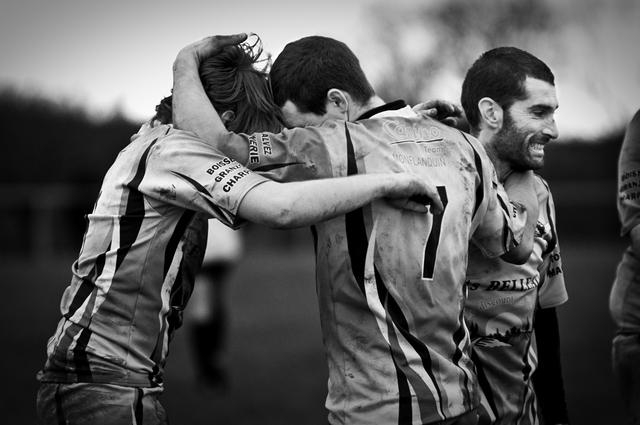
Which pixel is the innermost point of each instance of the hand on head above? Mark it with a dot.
(210, 46)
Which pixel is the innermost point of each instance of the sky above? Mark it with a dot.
(118, 54)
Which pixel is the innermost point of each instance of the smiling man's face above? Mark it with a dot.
(528, 125)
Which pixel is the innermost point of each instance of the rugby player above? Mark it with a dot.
(389, 283)
(134, 273)
(624, 302)
(509, 99)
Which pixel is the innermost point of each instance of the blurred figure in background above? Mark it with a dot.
(624, 302)
(509, 98)
(208, 311)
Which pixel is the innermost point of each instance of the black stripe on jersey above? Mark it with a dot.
(180, 293)
(505, 228)
(405, 413)
(83, 292)
(434, 236)
(197, 186)
(479, 189)
(138, 406)
(200, 188)
(458, 337)
(526, 377)
(178, 233)
(554, 237)
(400, 322)
(87, 285)
(80, 360)
(131, 221)
(271, 167)
(354, 224)
(484, 384)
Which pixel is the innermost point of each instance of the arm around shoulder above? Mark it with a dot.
(298, 204)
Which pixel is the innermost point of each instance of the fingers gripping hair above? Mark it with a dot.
(237, 79)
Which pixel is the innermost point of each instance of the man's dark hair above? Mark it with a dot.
(500, 74)
(233, 81)
(307, 68)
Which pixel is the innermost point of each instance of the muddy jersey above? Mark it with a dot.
(502, 299)
(624, 302)
(389, 281)
(141, 248)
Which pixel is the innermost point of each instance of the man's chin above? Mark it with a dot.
(532, 165)
(536, 165)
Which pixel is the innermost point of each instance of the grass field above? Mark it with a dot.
(275, 358)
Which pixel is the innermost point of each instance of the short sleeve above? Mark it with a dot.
(294, 154)
(184, 171)
(552, 290)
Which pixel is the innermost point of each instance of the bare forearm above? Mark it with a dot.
(301, 204)
(192, 109)
(321, 200)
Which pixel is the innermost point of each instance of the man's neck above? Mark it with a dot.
(359, 109)
(503, 168)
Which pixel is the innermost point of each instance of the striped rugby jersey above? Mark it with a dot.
(140, 251)
(499, 311)
(390, 282)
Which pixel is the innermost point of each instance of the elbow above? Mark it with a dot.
(283, 219)
(281, 214)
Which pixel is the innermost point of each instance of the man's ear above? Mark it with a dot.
(338, 102)
(491, 113)
(227, 116)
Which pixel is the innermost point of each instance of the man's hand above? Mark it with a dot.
(209, 46)
(410, 192)
(445, 112)
(191, 107)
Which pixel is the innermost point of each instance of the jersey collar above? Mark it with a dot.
(395, 105)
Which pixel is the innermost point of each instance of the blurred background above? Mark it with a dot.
(77, 78)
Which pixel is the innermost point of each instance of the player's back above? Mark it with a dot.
(390, 282)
